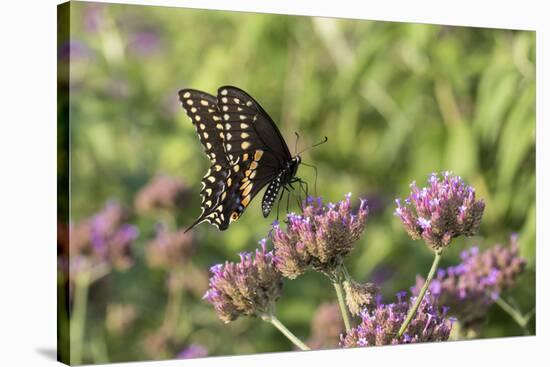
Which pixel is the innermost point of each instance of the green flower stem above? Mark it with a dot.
(341, 302)
(515, 314)
(279, 325)
(98, 272)
(413, 310)
(78, 317)
(173, 307)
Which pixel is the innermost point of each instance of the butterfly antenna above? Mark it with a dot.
(313, 146)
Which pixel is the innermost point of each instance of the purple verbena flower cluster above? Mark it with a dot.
(319, 238)
(380, 325)
(249, 287)
(446, 209)
(471, 287)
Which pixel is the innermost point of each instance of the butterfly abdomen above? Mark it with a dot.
(271, 194)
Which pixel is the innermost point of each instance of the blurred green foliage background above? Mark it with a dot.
(397, 102)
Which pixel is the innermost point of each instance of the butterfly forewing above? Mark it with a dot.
(203, 111)
(248, 127)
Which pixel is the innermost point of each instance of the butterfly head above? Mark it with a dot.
(293, 165)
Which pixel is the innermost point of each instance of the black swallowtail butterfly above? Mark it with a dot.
(246, 150)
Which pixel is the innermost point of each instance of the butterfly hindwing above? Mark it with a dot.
(247, 178)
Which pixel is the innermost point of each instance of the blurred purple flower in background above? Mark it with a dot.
(104, 237)
(447, 208)
(381, 274)
(326, 326)
(163, 192)
(144, 42)
(73, 50)
(93, 17)
(471, 287)
(319, 238)
(249, 287)
(193, 351)
(380, 325)
(169, 249)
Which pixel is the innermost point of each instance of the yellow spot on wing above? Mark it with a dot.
(258, 154)
(247, 189)
(245, 185)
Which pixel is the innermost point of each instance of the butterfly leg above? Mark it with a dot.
(305, 187)
(288, 196)
(314, 182)
(279, 202)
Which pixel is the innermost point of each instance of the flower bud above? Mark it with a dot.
(360, 296)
